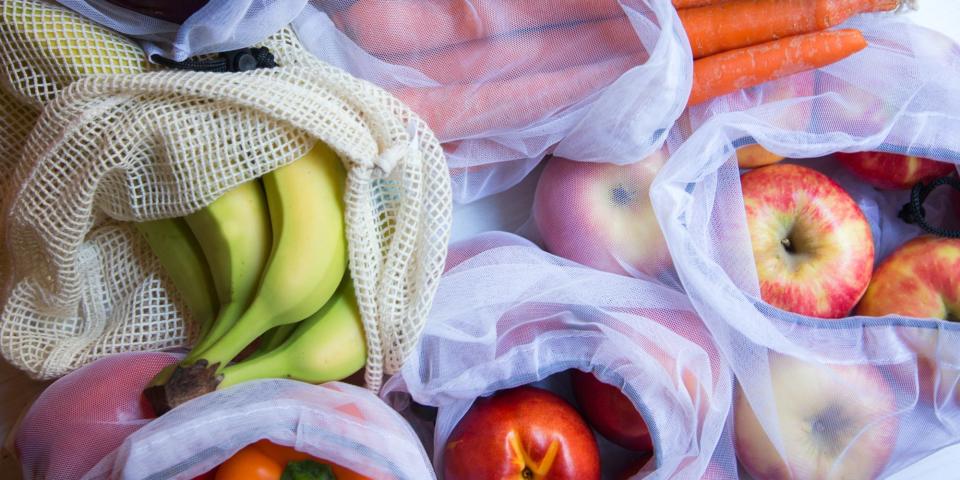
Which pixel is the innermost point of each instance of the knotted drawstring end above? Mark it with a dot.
(242, 60)
(913, 212)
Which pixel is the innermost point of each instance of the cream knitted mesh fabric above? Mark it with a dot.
(109, 149)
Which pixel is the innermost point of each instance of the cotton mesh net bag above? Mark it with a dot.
(131, 145)
(868, 393)
(509, 314)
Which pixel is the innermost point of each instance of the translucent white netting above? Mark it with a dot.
(337, 422)
(508, 314)
(900, 95)
(501, 83)
(135, 145)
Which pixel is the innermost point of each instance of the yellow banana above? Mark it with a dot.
(309, 255)
(234, 232)
(184, 263)
(327, 346)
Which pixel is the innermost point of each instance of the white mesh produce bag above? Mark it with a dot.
(508, 314)
(501, 83)
(100, 406)
(857, 397)
(110, 149)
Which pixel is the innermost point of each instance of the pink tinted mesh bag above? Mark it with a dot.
(509, 314)
(858, 396)
(93, 424)
(83, 416)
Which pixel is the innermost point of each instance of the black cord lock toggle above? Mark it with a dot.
(914, 213)
(242, 60)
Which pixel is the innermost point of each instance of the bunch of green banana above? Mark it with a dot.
(275, 253)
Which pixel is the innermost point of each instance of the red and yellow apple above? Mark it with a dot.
(600, 215)
(920, 279)
(891, 171)
(812, 245)
(795, 116)
(522, 433)
(610, 412)
(833, 422)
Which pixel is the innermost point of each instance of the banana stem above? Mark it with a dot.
(221, 325)
(269, 365)
(246, 329)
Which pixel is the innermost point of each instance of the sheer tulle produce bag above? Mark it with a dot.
(501, 83)
(828, 305)
(120, 140)
(509, 315)
(100, 406)
(504, 83)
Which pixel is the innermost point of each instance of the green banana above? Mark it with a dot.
(309, 255)
(329, 345)
(234, 232)
(183, 260)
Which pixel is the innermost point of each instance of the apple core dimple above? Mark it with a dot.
(621, 196)
(830, 429)
(526, 474)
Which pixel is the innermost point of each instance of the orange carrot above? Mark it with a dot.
(390, 27)
(694, 3)
(728, 72)
(741, 23)
(459, 111)
(527, 52)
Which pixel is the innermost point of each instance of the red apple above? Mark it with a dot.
(920, 279)
(891, 171)
(172, 11)
(84, 416)
(610, 412)
(523, 433)
(635, 466)
(812, 245)
(833, 422)
(600, 215)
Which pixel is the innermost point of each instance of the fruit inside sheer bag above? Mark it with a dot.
(631, 355)
(100, 406)
(501, 83)
(829, 306)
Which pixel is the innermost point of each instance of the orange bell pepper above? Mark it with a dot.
(266, 460)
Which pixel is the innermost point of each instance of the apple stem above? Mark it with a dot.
(787, 244)
(526, 473)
